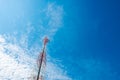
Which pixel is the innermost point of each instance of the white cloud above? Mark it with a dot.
(52, 20)
(16, 62)
(55, 15)
(2, 40)
(51, 74)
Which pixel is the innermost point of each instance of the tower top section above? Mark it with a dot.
(46, 40)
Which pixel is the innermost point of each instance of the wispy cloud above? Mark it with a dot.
(16, 62)
(52, 19)
(55, 15)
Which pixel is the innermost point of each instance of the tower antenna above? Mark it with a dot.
(42, 59)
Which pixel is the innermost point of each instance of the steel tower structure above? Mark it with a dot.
(41, 62)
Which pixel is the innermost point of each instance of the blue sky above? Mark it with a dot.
(84, 35)
(90, 32)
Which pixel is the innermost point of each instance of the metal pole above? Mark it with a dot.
(42, 57)
(41, 60)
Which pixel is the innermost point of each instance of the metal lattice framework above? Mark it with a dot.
(41, 62)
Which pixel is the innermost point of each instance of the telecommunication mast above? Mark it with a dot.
(41, 62)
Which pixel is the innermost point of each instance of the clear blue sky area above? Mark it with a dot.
(91, 31)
